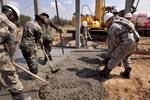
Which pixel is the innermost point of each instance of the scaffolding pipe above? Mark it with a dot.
(77, 24)
(2, 3)
(36, 7)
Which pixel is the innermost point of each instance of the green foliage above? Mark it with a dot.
(62, 21)
(24, 19)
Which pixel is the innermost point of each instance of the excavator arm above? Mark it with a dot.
(129, 8)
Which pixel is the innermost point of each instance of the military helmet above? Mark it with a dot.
(128, 15)
(115, 10)
(45, 14)
(39, 17)
(10, 7)
(107, 16)
(85, 23)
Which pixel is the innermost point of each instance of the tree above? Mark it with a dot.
(62, 21)
(24, 19)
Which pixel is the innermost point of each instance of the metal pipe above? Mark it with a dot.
(128, 6)
(77, 23)
(2, 3)
(61, 39)
(36, 6)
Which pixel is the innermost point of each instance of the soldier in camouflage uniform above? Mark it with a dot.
(8, 77)
(32, 34)
(47, 35)
(122, 41)
(85, 35)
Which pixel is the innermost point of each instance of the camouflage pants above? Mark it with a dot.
(31, 59)
(48, 48)
(121, 54)
(83, 39)
(8, 76)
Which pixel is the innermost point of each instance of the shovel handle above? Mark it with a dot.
(51, 66)
(37, 77)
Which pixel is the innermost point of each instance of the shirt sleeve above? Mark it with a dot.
(39, 33)
(113, 38)
(7, 23)
(50, 22)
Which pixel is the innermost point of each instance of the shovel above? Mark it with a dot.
(50, 64)
(37, 77)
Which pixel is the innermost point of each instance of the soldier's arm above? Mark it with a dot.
(50, 22)
(7, 23)
(9, 42)
(112, 39)
(39, 36)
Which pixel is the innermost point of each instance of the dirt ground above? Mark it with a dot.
(138, 87)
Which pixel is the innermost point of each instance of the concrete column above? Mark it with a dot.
(2, 2)
(77, 24)
(36, 6)
(128, 5)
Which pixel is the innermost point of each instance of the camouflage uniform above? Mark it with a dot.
(31, 35)
(48, 37)
(9, 78)
(121, 45)
(116, 17)
(84, 35)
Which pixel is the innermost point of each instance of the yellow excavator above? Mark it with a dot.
(95, 21)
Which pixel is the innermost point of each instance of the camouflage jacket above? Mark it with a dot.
(116, 17)
(119, 35)
(7, 35)
(32, 34)
(84, 30)
(47, 30)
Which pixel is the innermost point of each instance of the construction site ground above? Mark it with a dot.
(78, 79)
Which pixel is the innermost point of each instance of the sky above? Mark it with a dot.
(67, 7)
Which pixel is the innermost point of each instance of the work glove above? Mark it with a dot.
(90, 38)
(60, 30)
(105, 58)
(42, 46)
(103, 55)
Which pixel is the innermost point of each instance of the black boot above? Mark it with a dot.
(17, 95)
(126, 73)
(44, 61)
(50, 57)
(34, 70)
(105, 73)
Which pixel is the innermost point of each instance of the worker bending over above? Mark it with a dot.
(122, 41)
(9, 78)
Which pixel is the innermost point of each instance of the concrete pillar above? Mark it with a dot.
(2, 2)
(128, 5)
(36, 6)
(77, 24)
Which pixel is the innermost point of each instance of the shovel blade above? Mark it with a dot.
(54, 70)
